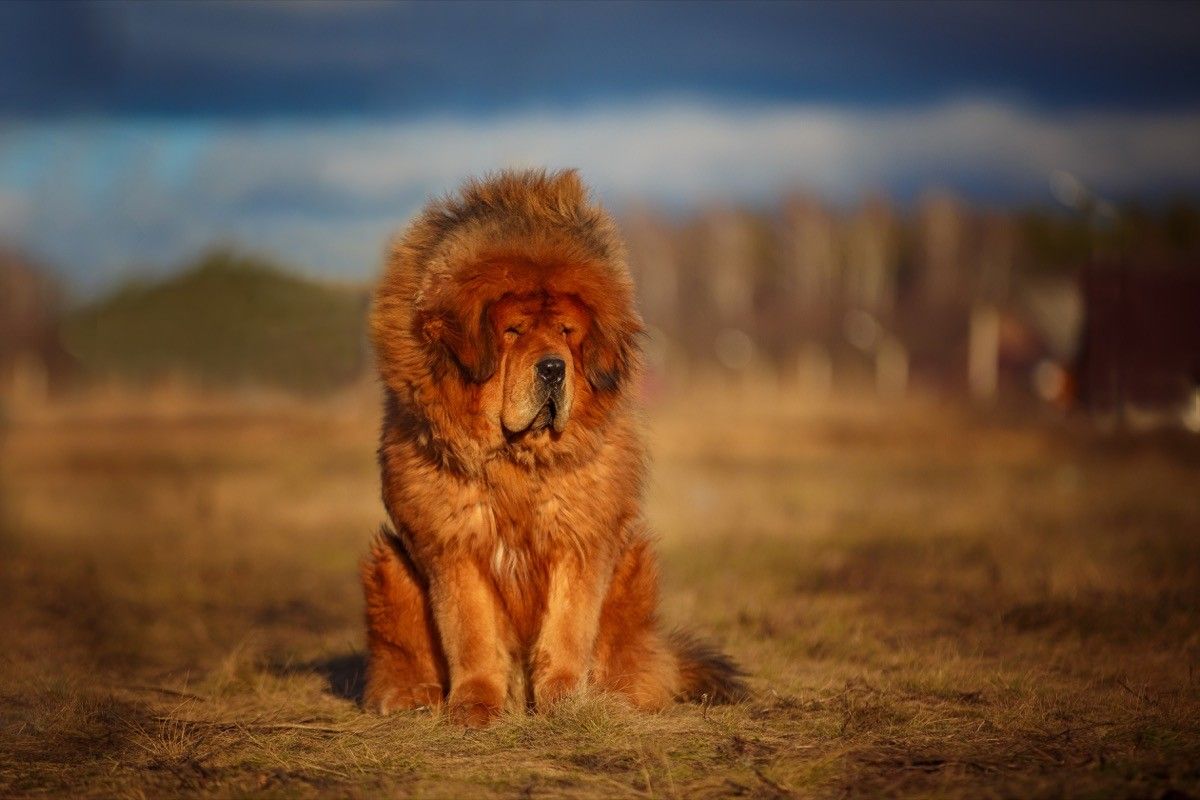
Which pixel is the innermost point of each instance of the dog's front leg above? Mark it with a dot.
(468, 621)
(563, 652)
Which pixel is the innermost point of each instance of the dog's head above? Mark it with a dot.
(512, 306)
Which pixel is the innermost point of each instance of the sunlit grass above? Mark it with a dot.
(931, 603)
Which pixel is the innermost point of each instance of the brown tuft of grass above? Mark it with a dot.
(930, 604)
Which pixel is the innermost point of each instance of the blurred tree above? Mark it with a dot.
(229, 320)
(32, 359)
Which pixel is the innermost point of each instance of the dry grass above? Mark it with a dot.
(931, 605)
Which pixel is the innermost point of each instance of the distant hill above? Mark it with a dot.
(229, 320)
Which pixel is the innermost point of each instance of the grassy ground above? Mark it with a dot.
(930, 605)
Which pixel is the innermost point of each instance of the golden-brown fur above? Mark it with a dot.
(519, 568)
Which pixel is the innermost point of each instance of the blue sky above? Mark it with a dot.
(134, 134)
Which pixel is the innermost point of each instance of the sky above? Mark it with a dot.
(134, 135)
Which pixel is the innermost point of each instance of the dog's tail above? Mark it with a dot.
(706, 675)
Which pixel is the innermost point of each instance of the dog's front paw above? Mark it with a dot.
(548, 691)
(383, 696)
(476, 702)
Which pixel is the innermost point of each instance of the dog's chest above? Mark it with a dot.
(525, 536)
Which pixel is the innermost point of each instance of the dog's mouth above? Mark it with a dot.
(549, 415)
(544, 408)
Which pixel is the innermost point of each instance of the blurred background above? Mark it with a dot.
(981, 200)
(923, 289)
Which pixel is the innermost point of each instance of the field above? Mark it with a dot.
(931, 603)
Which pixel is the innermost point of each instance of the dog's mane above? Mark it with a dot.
(511, 207)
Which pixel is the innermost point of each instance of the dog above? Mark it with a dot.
(517, 569)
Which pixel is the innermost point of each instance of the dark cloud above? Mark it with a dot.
(134, 134)
(328, 58)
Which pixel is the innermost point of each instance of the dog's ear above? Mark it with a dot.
(464, 338)
(609, 352)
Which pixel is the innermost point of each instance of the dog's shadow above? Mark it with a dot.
(345, 675)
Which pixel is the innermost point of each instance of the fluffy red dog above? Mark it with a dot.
(519, 569)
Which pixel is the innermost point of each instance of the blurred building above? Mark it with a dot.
(1140, 351)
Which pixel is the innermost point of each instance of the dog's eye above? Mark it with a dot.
(514, 331)
(567, 330)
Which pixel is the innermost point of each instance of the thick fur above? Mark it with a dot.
(519, 569)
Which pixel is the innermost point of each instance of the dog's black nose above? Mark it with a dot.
(551, 369)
